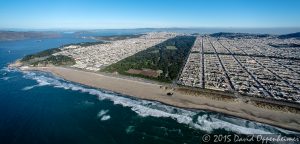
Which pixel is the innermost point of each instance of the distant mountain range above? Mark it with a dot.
(12, 35)
(292, 35)
(236, 35)
(15, 35)
(247, 35)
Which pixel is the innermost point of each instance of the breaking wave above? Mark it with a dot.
(42, 80)
(103, 115)
(6, 78)
(8, 69)
(29, 87)
(4, 73)
(205, 121)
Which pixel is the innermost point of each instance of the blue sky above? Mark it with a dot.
(92, 14)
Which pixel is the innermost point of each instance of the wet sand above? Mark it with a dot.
(157, 92)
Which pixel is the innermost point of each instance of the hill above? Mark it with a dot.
(12, 35)
(238, 35)
(292, 35)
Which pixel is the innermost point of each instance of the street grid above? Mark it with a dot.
(247, 66)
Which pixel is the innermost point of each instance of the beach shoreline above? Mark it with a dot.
(175, 97)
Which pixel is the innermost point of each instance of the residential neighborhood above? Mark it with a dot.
(248, 66)
(94, 57)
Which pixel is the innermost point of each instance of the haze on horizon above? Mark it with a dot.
(111, 14)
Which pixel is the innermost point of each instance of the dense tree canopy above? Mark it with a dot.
(168, 56)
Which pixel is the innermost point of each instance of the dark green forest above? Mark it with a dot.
(59, 60)
(41, 54)
(168, 56)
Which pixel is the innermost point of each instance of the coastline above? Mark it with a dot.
(158, 92)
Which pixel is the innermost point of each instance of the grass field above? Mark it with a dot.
(171, 47)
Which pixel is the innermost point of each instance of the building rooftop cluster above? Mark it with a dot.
(95, 57)
(265, 47)
(191, 73)
(253, 67)
(263, 67)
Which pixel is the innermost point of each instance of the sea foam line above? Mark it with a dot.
(9, 69)
(6, 78)
(200, 120)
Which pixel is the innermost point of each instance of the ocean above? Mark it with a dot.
(39, 108)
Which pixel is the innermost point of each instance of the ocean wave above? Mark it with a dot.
(88, 103)
(42, 80)
(105, 118)
(209, 123)
(130, 129)
(103, 115)
(9, 69)
(4, 72)
(33, 86)
(6, 78)
(205, 121)
(28, 87)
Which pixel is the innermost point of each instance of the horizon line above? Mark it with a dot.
(133, 28)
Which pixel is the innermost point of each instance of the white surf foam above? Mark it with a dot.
(105, 118)
(4, 71)
(42, 80)
(208, 123)
(29, 87)
(6, 78)
(103, 115)
(199, 120)
(38, 85)
(8, 69)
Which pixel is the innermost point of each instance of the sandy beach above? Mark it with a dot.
(157, 92)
